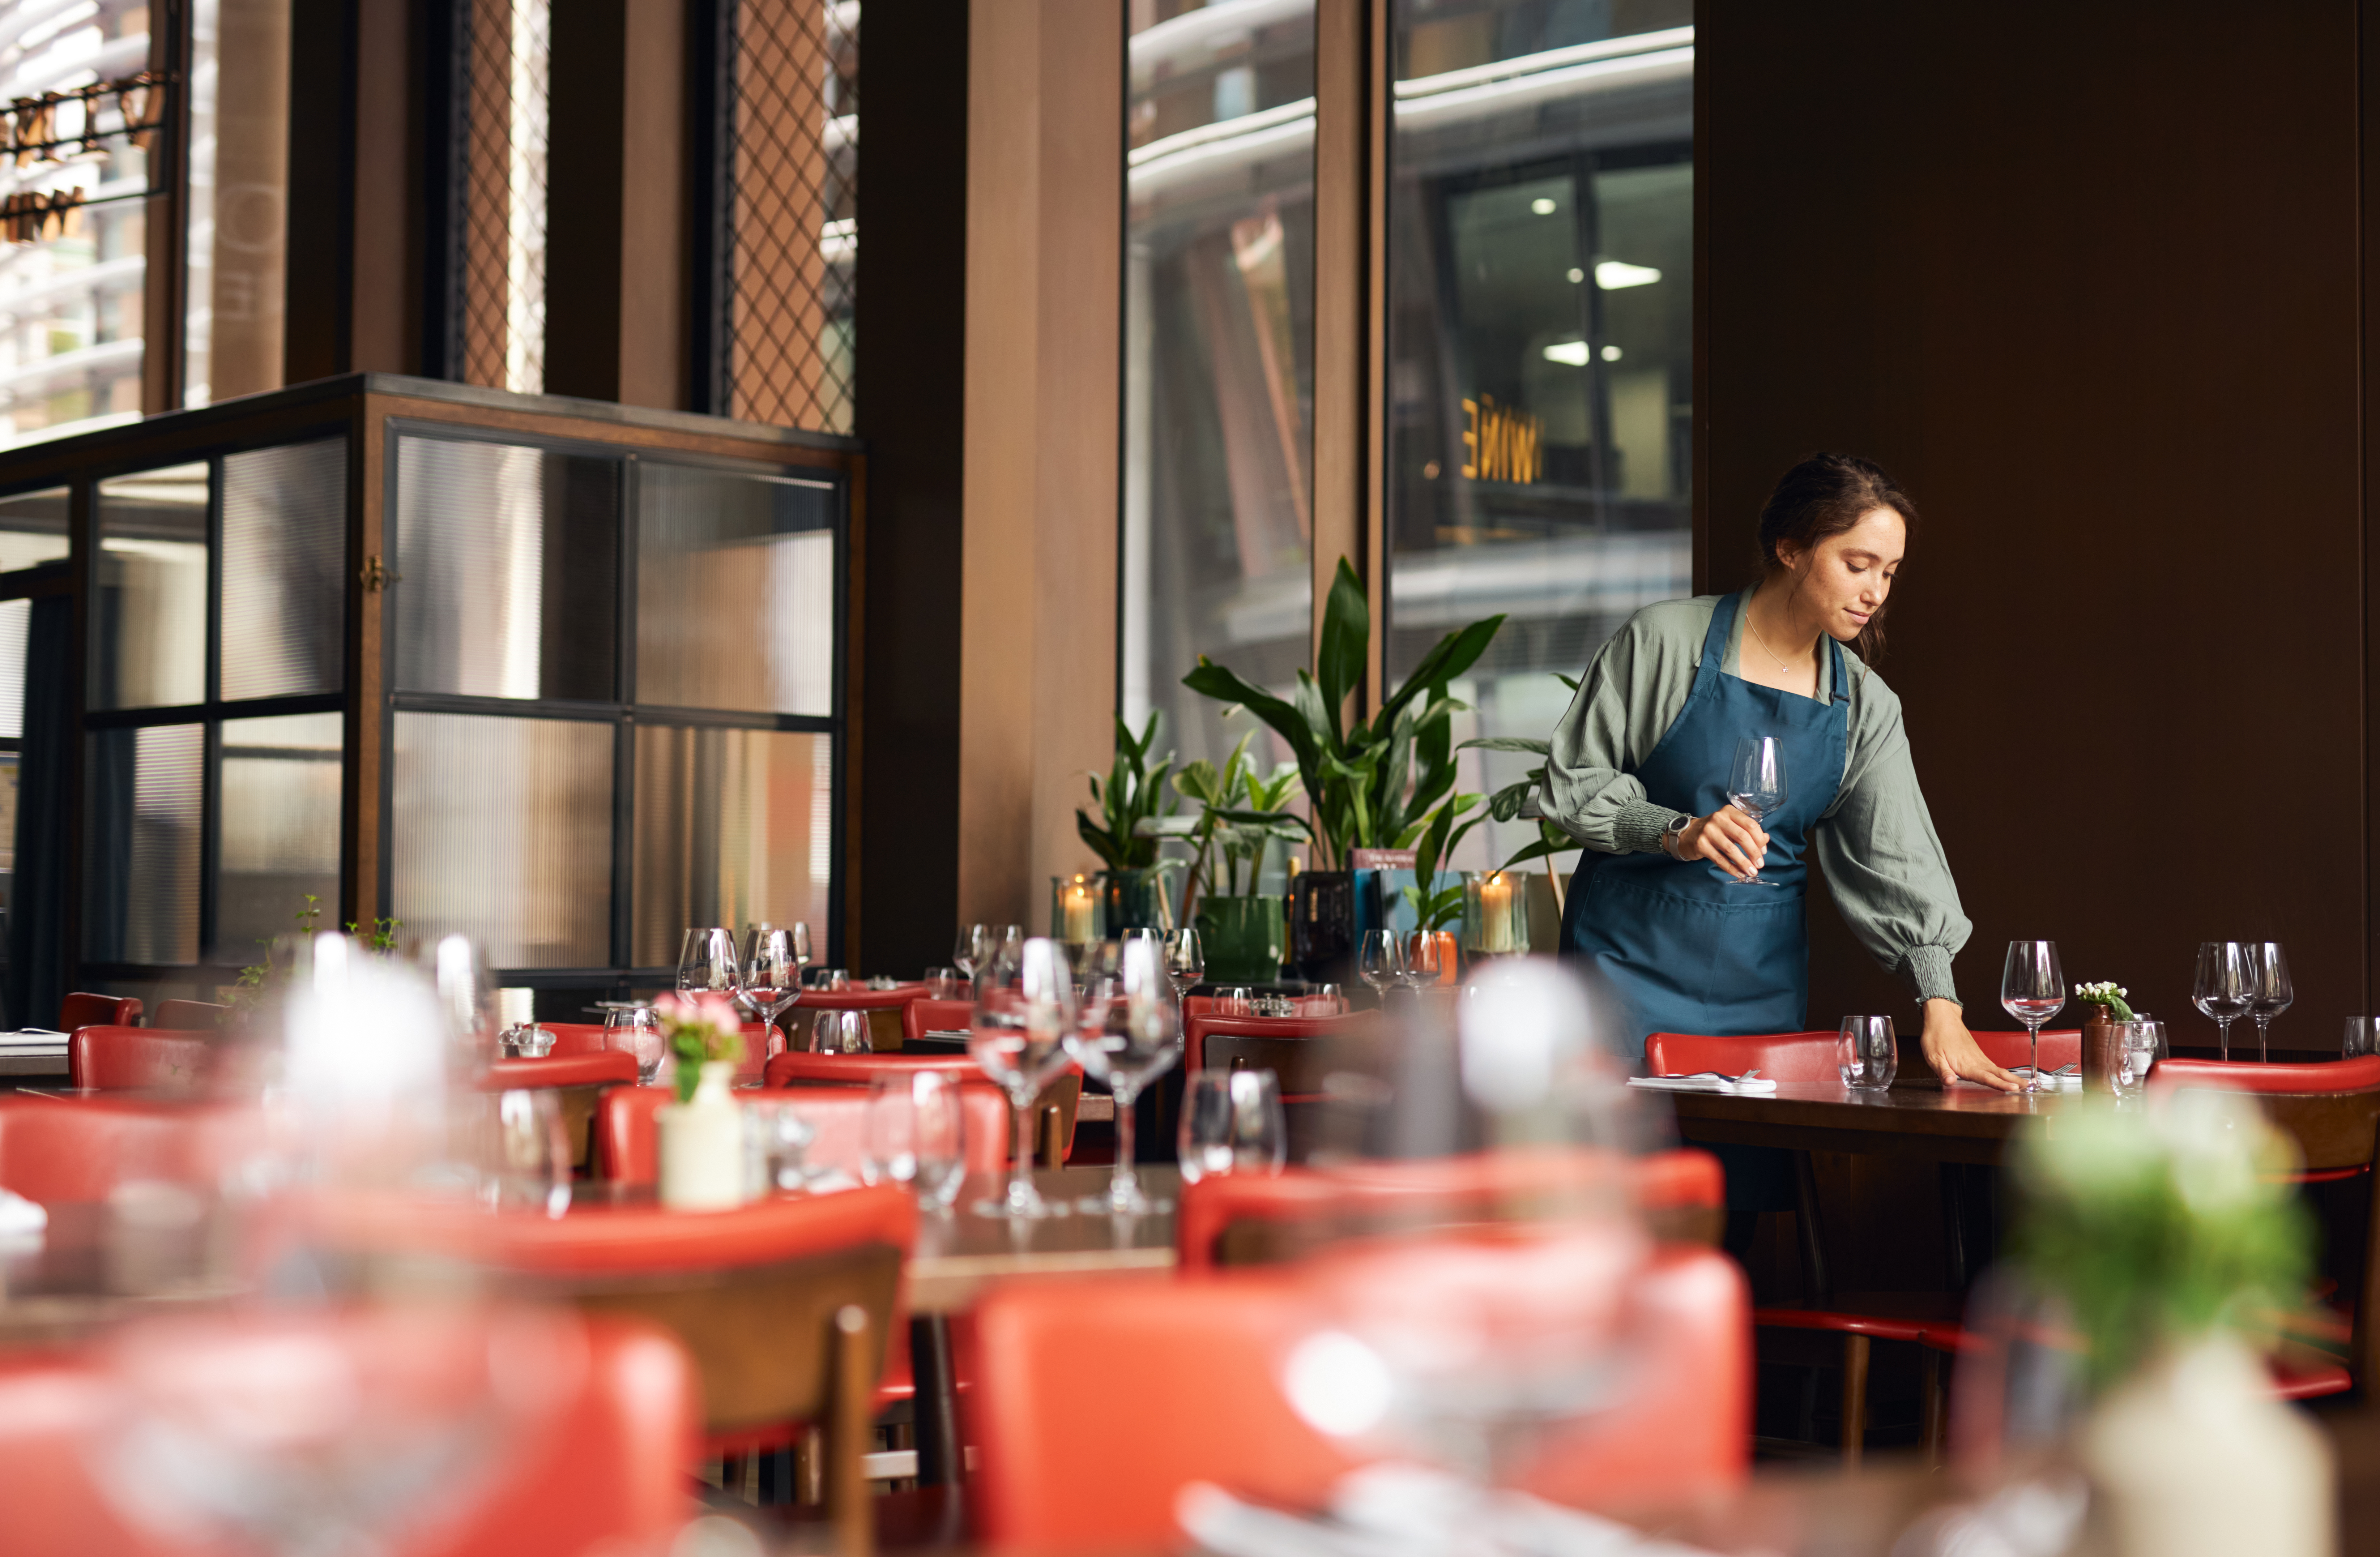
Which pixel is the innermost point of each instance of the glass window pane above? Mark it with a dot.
(33, 529)
(236, 188)
(502, 831)
(285, 548)
(140, 851)
(15, 620)
(148, 605)
(507, 562)
(1540, 347)
(735, 590)
(1219, 356)
(280, 829)
(733, 826)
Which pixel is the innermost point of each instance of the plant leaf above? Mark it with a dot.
(1454, 654)
(1346, 640)
(1509, 743)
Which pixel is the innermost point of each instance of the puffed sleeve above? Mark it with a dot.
(1631, 692)
(1884, 863)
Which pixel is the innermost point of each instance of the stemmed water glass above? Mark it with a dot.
(2273, 992)
(1422, 964)
(976, 944)
(1128, 1037)
(773, 974)
(707, 965)
(1023, 1010)
(1186, 961)
(2226, 986)
(2033, 990)
(1379, 961)
(1755, 786)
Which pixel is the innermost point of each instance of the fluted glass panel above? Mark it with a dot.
(149, 590)
(506, 561)
(502, 831)
(32, 529)
(280, 829)
(735, 590)
(285, 546)
(140, 853)
(733, 826)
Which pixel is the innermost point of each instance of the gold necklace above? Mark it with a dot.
(1772, 653)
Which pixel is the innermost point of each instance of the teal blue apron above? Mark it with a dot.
(1682, 946)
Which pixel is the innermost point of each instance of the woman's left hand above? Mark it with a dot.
(1953, 1053)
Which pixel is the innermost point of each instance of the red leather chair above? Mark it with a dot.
(1436, 1192)
(2060, 1046)
(61, 1150)
(797, 1068)
(887, 1012)
(604, 1068)
(1197, 1363)
(922, 1016)
(1809, 1057)
(144, 1057)
(98, 1010)
(587, 1038)
(586, 1452)
(1197, 1025)
(627, 1142)
(191, 1016)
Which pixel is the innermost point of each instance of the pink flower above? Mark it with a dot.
(721, 1013)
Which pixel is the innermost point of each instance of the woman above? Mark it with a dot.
(1663, 903)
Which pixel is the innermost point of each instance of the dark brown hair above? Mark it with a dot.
(1824, 496)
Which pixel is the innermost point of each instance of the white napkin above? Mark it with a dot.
(21, 1220)
(1406, 1510)
(1758, 1086)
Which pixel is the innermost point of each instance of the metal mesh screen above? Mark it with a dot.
(794, 136)
(504, 203)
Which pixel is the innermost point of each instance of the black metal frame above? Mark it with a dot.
(710, 183)
(622, 712)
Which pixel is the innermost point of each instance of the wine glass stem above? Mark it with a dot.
(2033, 1056)
(1124, 1182)
(1020, 1165)
(2263, 1055)
(2223, 1036)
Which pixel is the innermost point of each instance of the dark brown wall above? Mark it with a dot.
(2085, 279)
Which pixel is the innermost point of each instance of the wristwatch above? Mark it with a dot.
(1675, 834)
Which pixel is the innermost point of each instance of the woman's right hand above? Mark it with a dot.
(1727, 838)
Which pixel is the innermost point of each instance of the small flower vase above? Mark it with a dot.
(2192, 1456)
(702, 1144)
(2103, 1050)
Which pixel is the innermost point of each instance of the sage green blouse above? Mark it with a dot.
(1883, 862)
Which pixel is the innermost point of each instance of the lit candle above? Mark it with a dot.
(1078, 912)
(1496, 914)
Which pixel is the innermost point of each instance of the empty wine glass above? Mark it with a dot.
(976, 944)
(2033, 990)
(841, 1032)
(1185, 960)
(1237, 1001)
(2225, 986)
(913, 1135)
(1755, 786)
(1379, 961)
(707, 962)
(1023, 1010)
(773, 974)
(2362, 1038)
(2273, 992)
(1422, 963)
(1231, 1123)
(1128, 1037)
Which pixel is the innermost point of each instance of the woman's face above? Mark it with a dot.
(1845, 578)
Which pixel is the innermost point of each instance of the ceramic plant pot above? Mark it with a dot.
(702, 1145)
(1245, 938)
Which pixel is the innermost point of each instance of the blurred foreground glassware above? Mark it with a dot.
(776, 1138)
(457, 966)
(945, 983)
(2272, 993)
(1128, 1037)
(914, 1137)
(529, 1159)
(2139, 1047)
(526, 1040)
(973, 952)
(1024, 1008)
(2362, 1038)
(2225, 985)
(1867, 1053)
(706, 964)
(841, 1032)
(635, 1029)
(1235, 1002)
(1231, 1122)
(364, 1075)
(2033, 990)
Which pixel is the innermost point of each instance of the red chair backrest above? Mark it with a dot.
(605, 1067)
(190, 1015)
(2060, 1046)
(2360, 1074)
(1778, 1056)
(1197, 1025)
(117, 1057)
(862, 999)
(798, 1065)
(587, 1453)
(98, 1010)
(57, 1150)
(1200, 1359)
(628, 1141)
(922, 1016)
(576, 1038)
(1468, 1188)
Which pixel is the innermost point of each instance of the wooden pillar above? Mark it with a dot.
(1037, 664)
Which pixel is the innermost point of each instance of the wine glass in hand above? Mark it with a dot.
(1757, 785)
(2273, 992)
(2033, 990)
(2226, 986)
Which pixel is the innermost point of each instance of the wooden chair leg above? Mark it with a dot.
(848, 1436)
(1051, 1136)
(1930, 1366)
(809, 1467)
(1855, 1398)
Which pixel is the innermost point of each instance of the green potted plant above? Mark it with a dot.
(1133, 806)
(1368, 782)
(1509, 803)
(1240, 813)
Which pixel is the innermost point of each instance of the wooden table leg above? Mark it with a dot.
(1954, 1224)
(936, 1417)
(1855, 1349)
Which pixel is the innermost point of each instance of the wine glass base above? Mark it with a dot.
(1134, 1204)
(1015, 1210)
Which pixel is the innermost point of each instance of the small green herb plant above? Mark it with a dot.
(1239, 812)
(2109, 997)
(255, 981)
(1131, 803)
